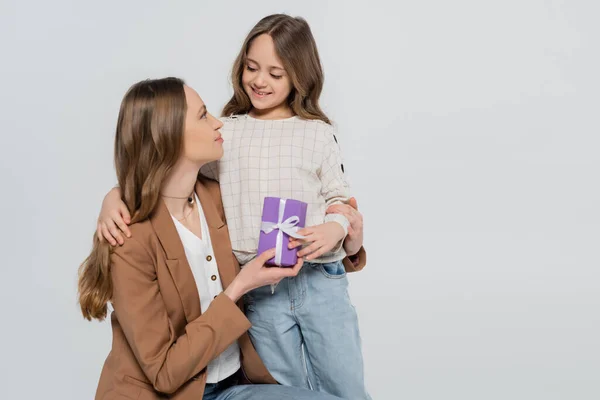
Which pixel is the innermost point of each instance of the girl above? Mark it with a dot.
(175, 331)
(278, 142)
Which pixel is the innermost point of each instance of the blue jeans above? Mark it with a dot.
(228, 389)
(307, 334)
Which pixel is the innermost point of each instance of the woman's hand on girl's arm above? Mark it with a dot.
(354, 240)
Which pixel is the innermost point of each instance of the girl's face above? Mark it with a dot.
(202, 140)
(265, 80)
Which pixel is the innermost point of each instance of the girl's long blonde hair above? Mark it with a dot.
(296, 47)
(148, 142)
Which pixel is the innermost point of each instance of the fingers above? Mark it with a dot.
(294, 243)
(308, 234)
(106, 234)
(288, 272)
(351, 206)
(307, 239)
(265, 256)
(355, 219)
(353, 203)
(322, 250)
(122, 225)
(351, 230)
(338, 209)
(310, 249)
(306, 231)
(297, 267)
(112, 228)
(333, 209)
(275, 274)
(350, 213)
(125, 214)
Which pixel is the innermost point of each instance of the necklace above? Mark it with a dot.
(190, 198)
(188, 214)
(190, 202)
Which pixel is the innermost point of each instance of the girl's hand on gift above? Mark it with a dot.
(354, 240)
(322, 238)
(113, 219)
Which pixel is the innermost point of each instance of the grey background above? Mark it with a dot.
(470, 133)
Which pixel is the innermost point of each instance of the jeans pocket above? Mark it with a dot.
(334, 270)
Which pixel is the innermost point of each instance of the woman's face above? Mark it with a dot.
(202, 142)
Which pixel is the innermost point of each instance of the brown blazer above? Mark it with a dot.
(161, 341)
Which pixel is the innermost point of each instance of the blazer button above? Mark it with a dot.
(213, 278)
(208, 258)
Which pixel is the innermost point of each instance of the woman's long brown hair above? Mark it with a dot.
(296, 47)
(148, 142)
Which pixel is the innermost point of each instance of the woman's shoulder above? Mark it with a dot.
(140, 243)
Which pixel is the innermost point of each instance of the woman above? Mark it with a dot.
(177, 331)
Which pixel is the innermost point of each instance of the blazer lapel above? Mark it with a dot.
(177, 262)
(219, 235)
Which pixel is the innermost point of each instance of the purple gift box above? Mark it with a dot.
(281, 218)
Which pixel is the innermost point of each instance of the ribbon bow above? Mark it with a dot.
(288, 226)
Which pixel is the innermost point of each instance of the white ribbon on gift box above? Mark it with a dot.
(288, 226)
